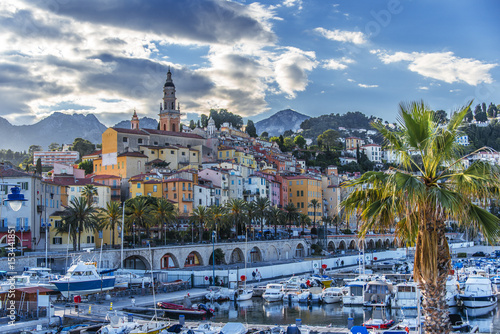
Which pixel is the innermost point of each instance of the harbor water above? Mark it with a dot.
(257, 311)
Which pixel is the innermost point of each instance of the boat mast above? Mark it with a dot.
(152, 280)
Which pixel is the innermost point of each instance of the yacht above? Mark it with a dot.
(479, 296)
(452, 291)
(378, 292)
(244, 294)
(82, 278)
(406, 295)
(354, 294)
(332, 295)
(273, 293)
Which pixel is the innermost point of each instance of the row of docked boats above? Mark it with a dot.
(82, 278)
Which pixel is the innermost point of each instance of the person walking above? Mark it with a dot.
(253, 275)
(259, 276)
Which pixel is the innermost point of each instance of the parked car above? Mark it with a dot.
(479, 254)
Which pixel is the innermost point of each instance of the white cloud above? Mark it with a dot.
(293, 3)
(355, 37)
(367, 86)
(351, 80)
(332, 64)
(443, 66)
(291, 69)
(423, 88)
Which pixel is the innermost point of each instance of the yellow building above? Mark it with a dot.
(302, 190)
(180, 191)
(245, 159)
(127, 164)
(226, 153)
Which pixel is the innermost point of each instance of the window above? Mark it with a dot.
(232, 182)
(57, 241)
(298, 193)
(199, 201)
(138, 186)
(155, 188)
(185, 208)
(172, 152)
(156, 143)
(175, 196)
(88, 239)
(183, 153)
(152, 152)
(139, 140)
(122, 164)
(302, 193)
(194, 154)
(125, 139)
(302, 205)
(290, 182)
(302, 182)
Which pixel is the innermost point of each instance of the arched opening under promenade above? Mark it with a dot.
(272, 253)
(193, 259)
(219, 257)
(169, 261)
(136, 262)
(300, 251)
(255, 255)
(378, 244)
(387, 243)
(237, 256)
(331, 246)
(352, 244)
(342, 245)
(370, 244)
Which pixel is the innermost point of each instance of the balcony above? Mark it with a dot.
(188, 199)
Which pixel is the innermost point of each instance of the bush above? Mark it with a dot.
(317, 249)
(461, 255)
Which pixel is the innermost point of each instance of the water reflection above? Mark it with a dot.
(257, 311)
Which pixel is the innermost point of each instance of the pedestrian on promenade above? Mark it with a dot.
(342, 263)
(253, 275)
(259, 276)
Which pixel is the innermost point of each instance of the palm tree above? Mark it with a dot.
(315, 204)
(262, 204)
(429, 187)
(273, 218)
(81, 215)
(235, 207)
(199, 217)
(138, 212)
(89, 191)
(217, 213)
(163, 213)
(290, 213)
(110, 217)
(71, 227)
(304, 220)
(250, 210)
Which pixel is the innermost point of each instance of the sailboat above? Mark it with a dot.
(245, 294)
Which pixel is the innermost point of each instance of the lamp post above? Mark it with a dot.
(121, 234)
(47, 229)
(165, 232)
(22, 230)
(213, 256)
(133, 232)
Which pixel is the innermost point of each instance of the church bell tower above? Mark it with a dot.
(170, 116)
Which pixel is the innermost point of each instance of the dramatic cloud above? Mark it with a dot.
(444, 66)
(291, 70)
(337, 35)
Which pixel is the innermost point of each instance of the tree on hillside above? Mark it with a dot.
(469, 116)
(418, 197)
(264, 135)
(54, 147)
(204, 120)
(87, 166)
(192, 125)
(222, 115)
(83, 146)
(299, 141)
(38, 169)
(481, 117)
(252, 132)
(441, 116)
(329, 138)
(492, 110)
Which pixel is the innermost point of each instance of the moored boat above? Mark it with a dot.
(479, 296)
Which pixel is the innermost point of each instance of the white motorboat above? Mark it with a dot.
(233, 328)
(378, 292)
(244, 294)
(129, 278)
(316, 295)
(355, 293)
(120, 325)
(406, 295)
(479, 296)
(332, 295)
(273, 293)
(304, 297)
(219, 294)
(82, 278)
(452, 291)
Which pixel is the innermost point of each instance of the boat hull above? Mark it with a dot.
(478, 306)
(353, 300)
(84, 287)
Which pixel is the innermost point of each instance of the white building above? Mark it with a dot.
(255, 186)
(373, 152)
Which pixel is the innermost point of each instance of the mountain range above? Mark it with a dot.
(64, 128)
(280, 122)
(57, 128)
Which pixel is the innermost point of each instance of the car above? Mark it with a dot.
(479, 254)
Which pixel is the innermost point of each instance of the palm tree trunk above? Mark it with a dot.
(200, 231)
(432, 260)
(79, 239)
(113, 237)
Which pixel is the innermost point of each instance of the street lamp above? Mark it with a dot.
(15, 199)
(22, 230)
(165, 232)
(47, 229)
(121, 234)
(133, 232)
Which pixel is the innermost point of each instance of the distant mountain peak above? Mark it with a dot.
(280, 122)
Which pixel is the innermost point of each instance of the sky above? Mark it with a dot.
(109, 57)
